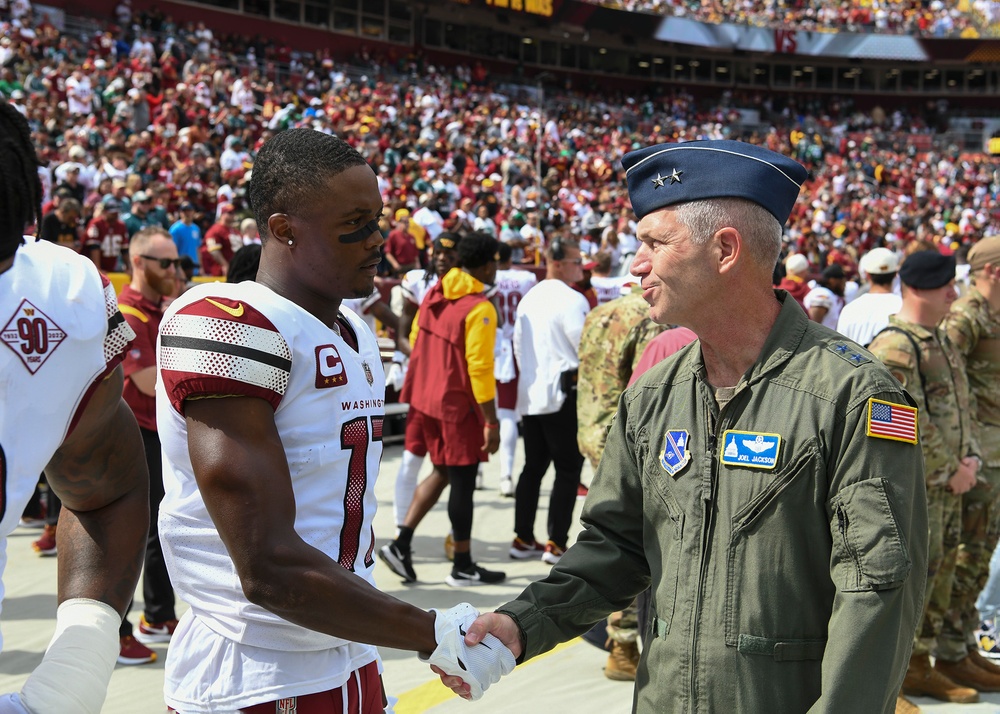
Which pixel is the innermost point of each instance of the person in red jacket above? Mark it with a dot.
(450, 388)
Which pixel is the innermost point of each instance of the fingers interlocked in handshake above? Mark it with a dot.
(466, 663)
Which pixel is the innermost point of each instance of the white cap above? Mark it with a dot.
(797, 264)
(879, 261)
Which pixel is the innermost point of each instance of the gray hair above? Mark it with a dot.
(760, 230)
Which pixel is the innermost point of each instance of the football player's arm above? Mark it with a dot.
(100, 475)
(384, 314)
(404, 325)
(242, 473)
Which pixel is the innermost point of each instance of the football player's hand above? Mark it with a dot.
(492, 625)
(475, 666)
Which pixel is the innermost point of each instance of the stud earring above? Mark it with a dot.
(290, 241)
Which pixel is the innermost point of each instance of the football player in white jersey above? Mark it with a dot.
(270, 407)
(511, 286)
(61, 411)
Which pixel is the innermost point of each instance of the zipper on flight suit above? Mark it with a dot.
(706, 538)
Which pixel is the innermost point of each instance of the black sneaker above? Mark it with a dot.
(399, 561)
(473, 575)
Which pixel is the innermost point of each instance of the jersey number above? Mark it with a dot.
(508, 306)
(355, 436)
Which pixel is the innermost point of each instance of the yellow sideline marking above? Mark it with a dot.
(430, 694)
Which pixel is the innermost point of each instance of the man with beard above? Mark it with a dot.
(153, 257)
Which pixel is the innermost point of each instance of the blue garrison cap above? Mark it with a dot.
(666, 174)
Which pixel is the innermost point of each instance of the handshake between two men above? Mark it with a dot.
(473, 651)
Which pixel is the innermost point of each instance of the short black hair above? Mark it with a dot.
(504, 252)
(244, 264)
(476, 250)
(883, 279)
(292, 167)
(20, 186)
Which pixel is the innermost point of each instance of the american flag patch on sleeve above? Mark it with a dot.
(892, 421)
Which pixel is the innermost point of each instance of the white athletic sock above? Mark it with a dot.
(508, 441)
(406, 485)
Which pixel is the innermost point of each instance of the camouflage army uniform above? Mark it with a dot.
(975, 331)
(938, 383)
(614, 336)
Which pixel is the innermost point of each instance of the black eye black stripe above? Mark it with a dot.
(360, 234)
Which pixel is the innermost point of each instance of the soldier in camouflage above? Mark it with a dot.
(974, 327)
(614, 336)
(923, 359)
(613, 339)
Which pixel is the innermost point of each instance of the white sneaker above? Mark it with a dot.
(507, 487)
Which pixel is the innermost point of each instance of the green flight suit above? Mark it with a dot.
(789, 588)
(937, 381)
(974, 329)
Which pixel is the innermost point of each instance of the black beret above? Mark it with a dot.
(666, 174)
(927, 270)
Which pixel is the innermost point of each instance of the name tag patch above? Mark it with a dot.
(750, 449)
(675, 454)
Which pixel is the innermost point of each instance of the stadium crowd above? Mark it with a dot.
(159, 125)
(173, 116)
(912, 17)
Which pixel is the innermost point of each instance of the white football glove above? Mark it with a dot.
(478, 666)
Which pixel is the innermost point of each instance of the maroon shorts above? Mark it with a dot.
(449, 443)
(364, 686)
(414, 438)
(507, 394)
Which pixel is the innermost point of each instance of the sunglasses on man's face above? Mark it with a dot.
(164, 262)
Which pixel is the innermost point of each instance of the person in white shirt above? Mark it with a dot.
(866, 316)
(428, 218)
(825, 301)
(511, 287)
(546, 341)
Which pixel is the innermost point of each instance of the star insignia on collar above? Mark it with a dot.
(841, 348)
(675, 177)
(658, 181)
(855, 357)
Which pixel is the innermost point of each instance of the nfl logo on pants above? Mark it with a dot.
(287, 706)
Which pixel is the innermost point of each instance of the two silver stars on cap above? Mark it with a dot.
(674, 177)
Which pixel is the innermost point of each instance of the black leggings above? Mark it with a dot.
(463, 485)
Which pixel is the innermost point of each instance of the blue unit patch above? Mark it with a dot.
(675, 454)
(750, 449)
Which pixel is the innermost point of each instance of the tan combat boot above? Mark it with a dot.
(905, 706)
(966, 673)
(923, 680)
(976, 657)
(622, 661)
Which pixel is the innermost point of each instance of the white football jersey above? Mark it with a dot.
(328, 400)
(415, 287)
(609, 288)
(63, 333)
(511, 286)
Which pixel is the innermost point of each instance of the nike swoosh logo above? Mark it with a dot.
(234, 311)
